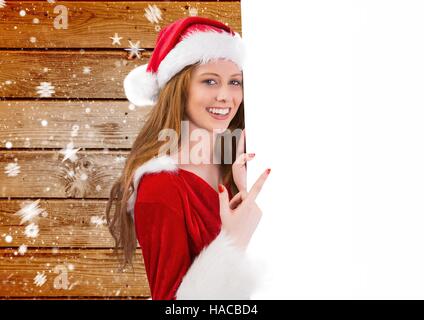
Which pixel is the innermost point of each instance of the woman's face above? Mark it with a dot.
(215, 94)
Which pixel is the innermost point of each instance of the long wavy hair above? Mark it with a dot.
(167, 113)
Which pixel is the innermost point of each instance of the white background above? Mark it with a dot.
(334, 97)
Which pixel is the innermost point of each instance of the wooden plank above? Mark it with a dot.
(89, 272)
(61, 223)
(70, 74)
(91, 23)
(51, 124)
(44, 174)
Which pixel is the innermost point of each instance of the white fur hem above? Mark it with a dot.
(221, 271)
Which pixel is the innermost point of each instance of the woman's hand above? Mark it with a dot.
(241, 215)
(239, 166)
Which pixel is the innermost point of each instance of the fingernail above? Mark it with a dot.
(220, 188)
(252, 154)
(268, 171)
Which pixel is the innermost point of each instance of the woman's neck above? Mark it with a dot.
(199, 156)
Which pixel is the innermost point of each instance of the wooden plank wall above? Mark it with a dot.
(65, 130)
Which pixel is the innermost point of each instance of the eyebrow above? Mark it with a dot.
(236, 74)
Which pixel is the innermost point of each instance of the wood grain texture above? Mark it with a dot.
(90, 124)
(22, 72)
(44, 174)
(70, 272)
(87, 106)
(92, 23)
(62, 223)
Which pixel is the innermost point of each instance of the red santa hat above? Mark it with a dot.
(183, 42)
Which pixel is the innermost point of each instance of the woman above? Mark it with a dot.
(193, 238)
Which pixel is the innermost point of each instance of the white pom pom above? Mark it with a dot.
(141, 87)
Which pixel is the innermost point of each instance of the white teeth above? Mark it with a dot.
(219, 111)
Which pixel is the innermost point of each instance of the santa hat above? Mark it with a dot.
(182, 43)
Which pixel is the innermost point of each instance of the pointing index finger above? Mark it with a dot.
(257, 186)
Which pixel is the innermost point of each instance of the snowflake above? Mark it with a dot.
(2, 3)
(153, 14)
(86, 70)
(22, 249)
(98, 220)
(8, 238)
(40, 279)
(116, 39)
(12, 169)
(31, 230)
(134, 50)
(120, 159)
(29, 211)
(45, 90)
(192, 11)
(69, 152)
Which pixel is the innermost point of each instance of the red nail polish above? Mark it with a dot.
(220, 188)
(268, 171)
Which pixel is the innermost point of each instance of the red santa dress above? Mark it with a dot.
(178, 226)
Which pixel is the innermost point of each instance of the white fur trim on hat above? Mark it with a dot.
(203, 47)
(142, 88)
(158, 164)
(221, 271)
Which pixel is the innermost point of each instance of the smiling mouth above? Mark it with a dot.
(219, 111)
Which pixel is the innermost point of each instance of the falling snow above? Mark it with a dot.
(22, 13)
(40, 279)
(153, 14)
(31, 230)
(12, 169)
(86, 70)
(98, 220)
(116, 39)
(8, 238)
(22, 249)
(134, 50)
(192, 11)
(45, 90)
(69, 152)
(8, 145)
(30, 211)
(120, 159)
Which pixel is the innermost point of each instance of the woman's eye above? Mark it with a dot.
(238, 82)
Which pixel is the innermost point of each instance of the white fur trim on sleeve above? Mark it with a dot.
(221, 271)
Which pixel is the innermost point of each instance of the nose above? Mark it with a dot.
(223, 93)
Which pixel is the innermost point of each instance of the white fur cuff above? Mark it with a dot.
(221, 271)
